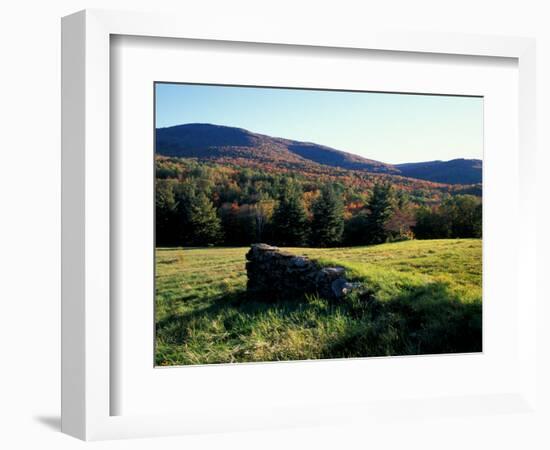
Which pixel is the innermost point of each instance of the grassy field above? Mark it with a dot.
(421, 297)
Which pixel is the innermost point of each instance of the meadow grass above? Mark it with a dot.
(419, 297)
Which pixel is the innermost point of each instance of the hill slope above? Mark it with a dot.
(228, 144)
(206, 141)
(462, 171)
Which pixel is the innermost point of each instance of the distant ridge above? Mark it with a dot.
(229, 144)
(455, 171)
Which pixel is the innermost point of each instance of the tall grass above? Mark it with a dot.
(419, 297)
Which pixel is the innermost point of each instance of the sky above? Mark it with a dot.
(387, 127)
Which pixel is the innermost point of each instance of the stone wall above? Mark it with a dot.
(275, 273)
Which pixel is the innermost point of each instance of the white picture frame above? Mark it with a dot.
(87, 385)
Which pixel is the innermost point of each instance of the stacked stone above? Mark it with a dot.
(274, 272)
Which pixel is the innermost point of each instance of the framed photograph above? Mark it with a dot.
(276, 249)
(266, 229)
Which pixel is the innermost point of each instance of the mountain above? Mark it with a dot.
(239, 146)
(212, 142)
(456, 171)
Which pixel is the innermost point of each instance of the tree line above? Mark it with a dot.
(217, 206)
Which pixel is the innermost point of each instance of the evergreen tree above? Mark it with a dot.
(165, 214)
(355, 229)
(289, 219)
(477, 227)
(204, 221)
(380, 206)
(184, 193)
(459, 216)
(229, 214)
(463, 213)
(328, 218)
(238, 224)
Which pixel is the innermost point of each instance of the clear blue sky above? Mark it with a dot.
(392, 128)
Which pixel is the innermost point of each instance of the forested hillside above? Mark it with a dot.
(216, 142)
(231, 145)
(210, 203)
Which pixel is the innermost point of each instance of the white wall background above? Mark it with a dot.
(30, 219)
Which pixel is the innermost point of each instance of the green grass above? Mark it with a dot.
(421, 297)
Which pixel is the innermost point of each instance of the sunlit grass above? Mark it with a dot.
(421, 297)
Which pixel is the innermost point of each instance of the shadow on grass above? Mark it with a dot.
(427, 319)
(237, 311)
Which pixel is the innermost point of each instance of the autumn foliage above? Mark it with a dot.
(209, 203)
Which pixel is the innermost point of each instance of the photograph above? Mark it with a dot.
(297, 224)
